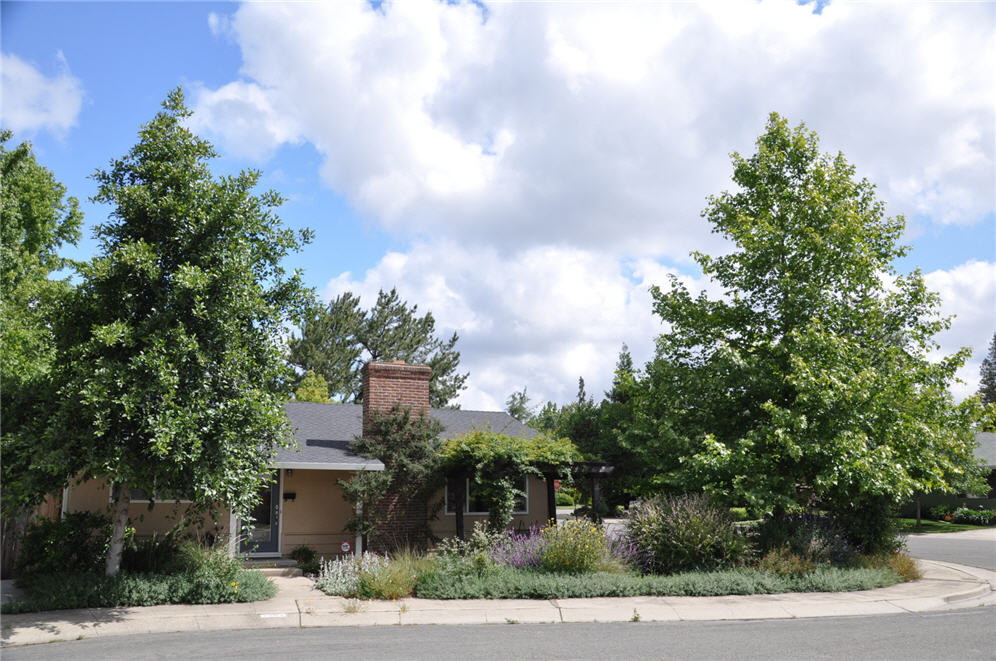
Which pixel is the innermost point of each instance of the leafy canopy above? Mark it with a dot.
(495, 462)
(338, 339)
(808, 380)
(36, 220)
(170, 373)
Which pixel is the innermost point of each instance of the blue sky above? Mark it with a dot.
(527, 172)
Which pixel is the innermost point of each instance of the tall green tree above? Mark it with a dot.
(987, 375)
(36, 220)
(338, 339)
(808, 381)
(170, 367)
(517, 406)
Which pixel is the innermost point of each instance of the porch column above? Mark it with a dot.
(461, 502)
(358, 543)
(594, 498)
(551, 497)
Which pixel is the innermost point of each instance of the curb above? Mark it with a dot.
(298, 605)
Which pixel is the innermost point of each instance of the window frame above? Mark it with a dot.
(466, 504)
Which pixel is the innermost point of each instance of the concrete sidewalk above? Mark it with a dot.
(298, 604)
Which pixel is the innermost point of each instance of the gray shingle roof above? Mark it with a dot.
(987, 447)
(323, 432)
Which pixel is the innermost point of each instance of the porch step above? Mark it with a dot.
(273, 566)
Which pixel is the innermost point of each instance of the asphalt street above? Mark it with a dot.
(954, 547)
(955, 635)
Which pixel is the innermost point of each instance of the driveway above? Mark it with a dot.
(976, 548)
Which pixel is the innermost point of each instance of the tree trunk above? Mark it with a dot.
(121, 504)
(918, 509)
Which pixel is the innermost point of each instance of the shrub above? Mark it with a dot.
(156, 554)
(817, 537)
(508, 583)
(903, 565)
(939, 513)
(684, 533)
(76, 543)
(979, 517)
(304, 554)
(871, 526)
(341, 576)
(575, 546)
(564, 499)
(784, 562)
(519, 549)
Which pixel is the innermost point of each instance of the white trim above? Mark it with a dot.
(233, 533)
(466, 502)
(306, 465)
(280, 513)
(64, 506)
(358, 548)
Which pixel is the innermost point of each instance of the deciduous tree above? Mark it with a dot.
(808, 381)
(170, 371)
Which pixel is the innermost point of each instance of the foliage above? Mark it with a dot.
(312, 388)
(808, 381)
(987, 375)
(681, 533)
(341, 576)
(517, 406)
(818, 537)
(395, 580)
(338, 339)
(979, 517)
(155, 554)
(169, 372)
(786, 562)
(63, 591)
(909, 525)
(508, 583)
(36, 220)
(903, 565)
(519, 549)
(303, 553)
(406, 442)
(575, 546)
(495, 461)
(76, 543)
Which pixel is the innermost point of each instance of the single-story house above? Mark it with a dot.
(986, 451)
(304, 503)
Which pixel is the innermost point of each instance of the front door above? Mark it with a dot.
(264, 537)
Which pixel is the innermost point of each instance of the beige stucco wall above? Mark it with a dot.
(445, 524)
(318, 514)
(94, 496)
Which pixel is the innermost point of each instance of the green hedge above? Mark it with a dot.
(61, 591)
(510, 583)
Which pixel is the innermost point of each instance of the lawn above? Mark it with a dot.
(909, 525)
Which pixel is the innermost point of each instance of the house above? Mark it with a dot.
(986, 451)
(304, 503)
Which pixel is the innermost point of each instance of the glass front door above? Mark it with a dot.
(264, 536)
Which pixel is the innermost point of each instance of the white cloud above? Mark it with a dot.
(556, 153)
(606, 126)
(32, 101)
(540, 318)
(968, 292)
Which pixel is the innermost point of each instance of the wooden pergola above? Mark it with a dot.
(593, 471)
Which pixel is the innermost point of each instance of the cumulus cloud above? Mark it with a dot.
(540, 318)
(35, 102)
(544, 159)
(968, 293)
(606, 126)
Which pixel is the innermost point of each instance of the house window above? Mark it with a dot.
(475, 502)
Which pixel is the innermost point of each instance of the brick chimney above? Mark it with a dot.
(387, 384)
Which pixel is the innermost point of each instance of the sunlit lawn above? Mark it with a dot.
(909, 525)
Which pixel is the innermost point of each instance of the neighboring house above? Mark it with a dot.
(304, 504)
(986, 451)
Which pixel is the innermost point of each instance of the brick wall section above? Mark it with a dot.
(387, 384)
(384, 385)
